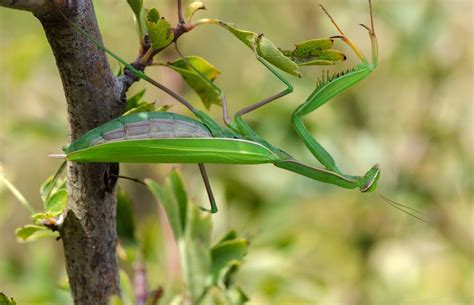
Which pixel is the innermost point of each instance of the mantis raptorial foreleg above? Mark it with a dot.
(327, 90)
(328, 87)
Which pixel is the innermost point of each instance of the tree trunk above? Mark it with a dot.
(93, 97)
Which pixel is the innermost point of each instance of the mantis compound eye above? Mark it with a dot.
(368, 183)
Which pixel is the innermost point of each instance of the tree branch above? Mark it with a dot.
(93, 96)
(37, 7)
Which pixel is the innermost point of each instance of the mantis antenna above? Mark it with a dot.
(402, 207)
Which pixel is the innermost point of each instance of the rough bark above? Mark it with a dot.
(93, 97)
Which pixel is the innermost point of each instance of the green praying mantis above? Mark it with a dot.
(164, 137)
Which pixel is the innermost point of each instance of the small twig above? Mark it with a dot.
(34, 6)
(180, 12)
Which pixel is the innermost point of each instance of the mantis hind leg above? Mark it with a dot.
(212, 200)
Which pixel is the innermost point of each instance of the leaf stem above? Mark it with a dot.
(204, 21)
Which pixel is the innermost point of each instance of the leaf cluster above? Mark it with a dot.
(156, 34)
(208, 269)
(54, 197)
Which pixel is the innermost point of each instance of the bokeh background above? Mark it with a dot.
(311, 243)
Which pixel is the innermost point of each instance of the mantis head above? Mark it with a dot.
(368, 183)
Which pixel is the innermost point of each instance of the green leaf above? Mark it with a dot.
(208, 272)
(215, 296)
(192, 8)
(194, 249)
(181, 196)
(33, 232)
(168, 202)
(57, 202)
(38, 217)
(138, 14)
(136, 104)
(226, 254)
(230, 296)
(192, 230)
(159, 30)
(236, 296)
(126, 288)
(200, 64)
(199, 78)
(125, 218)
(232, 234)
(153, 15)
(4, 300)
(143, 107)
(147, 107)
(163, 108)
(52, 183)
(136, 6)
(134, 100)
(115, 300)
(265, 49)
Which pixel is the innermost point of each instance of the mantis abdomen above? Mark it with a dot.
(163, 137)
(143, 125)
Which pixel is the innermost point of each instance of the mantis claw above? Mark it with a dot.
(211, 211)
(371, 32)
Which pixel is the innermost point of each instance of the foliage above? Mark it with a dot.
(54, 196)
(310, 244)
(207, 270)
(197, 72)
(4, 300)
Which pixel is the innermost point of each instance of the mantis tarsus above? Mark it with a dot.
(162, 137)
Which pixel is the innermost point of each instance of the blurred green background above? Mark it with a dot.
(311, 243)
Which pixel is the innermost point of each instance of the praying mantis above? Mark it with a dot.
(164, 137)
